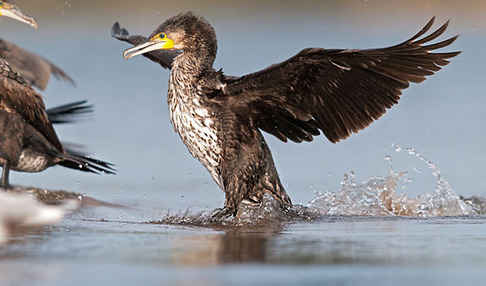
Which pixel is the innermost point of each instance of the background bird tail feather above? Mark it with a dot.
(79, 160)
(69, 113)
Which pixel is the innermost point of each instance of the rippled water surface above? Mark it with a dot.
(385, 206)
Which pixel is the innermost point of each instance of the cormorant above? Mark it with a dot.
(28, 142)
(220, 118)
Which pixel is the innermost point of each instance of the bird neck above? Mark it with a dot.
(192, 65)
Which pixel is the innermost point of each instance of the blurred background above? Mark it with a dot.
(442, 117)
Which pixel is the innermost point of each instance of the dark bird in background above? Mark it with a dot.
(28, 142)
(220, 118)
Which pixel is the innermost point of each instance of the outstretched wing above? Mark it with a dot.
(17, 96)
(336, 91)
(164, 58)
(35, 69)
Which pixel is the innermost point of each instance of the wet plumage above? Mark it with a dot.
(336, 92)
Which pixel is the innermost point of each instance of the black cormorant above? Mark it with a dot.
(28, 142)
(220, 118)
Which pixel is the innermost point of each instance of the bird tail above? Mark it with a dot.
(69, 113)
(78, 160)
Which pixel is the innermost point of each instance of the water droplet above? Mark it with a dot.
(378, 196)
(397, 148)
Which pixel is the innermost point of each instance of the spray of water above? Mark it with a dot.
(381, 196)
(376, 196)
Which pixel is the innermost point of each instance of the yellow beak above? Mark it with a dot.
(166, 44)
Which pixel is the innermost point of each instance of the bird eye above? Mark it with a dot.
(162, 36)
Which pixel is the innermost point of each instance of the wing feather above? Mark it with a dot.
(337, 91)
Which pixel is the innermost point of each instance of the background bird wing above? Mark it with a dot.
(57, 72)
(336, 91)
(35, 69)
(164, 58)
(17, 96)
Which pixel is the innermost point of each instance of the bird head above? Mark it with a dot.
(12, 11)
(185, 32)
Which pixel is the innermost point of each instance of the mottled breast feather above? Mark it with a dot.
(195, 122)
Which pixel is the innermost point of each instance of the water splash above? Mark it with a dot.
(380, 196)
(267, 212)
(376, 196)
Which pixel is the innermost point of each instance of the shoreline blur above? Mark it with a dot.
(364, 14)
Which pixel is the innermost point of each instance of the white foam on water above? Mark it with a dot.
(384, 196)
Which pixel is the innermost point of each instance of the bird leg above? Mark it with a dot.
(12, 133)
(5, 174)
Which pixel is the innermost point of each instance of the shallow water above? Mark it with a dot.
(335, 250)
(441, 118)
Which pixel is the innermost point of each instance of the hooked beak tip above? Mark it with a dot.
(29, 20)
(16, 14)
(126, 55)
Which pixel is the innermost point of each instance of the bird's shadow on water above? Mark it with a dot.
(232, 246)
